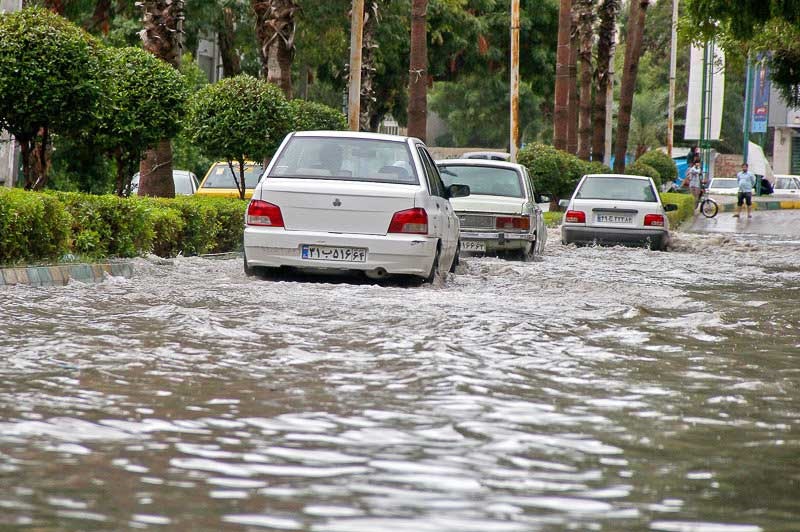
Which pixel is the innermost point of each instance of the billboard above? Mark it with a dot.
(715, 85)
(761, 89)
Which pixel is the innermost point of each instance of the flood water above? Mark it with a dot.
(600, 389)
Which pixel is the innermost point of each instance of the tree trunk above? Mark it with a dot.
(161, 36)
(368, 69)
(231, 65)
(56, 6)
(275, 28)
(574, 44)
(418, 82)
(605, 45)
(561, 100)
(585, 22)
(40, 156)
(101, 17)
(633, 50)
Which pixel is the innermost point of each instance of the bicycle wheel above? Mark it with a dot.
(709, 208)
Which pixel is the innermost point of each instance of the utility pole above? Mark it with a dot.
(673, 61)
(356, 44)
(514, 122)
(748, 110)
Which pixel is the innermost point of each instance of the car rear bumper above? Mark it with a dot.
(602, 235)
(495, 240)
(396, 254)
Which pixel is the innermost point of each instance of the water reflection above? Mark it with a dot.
(614, 389)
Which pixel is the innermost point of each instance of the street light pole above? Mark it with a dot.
(356, 44)
(514, 119)
(673, 60)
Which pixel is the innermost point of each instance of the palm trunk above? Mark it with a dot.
(161, 36)
(561, 102)
(101, 17)
(418, 83)
(572, 114)
(585, 22)
(275, 28)
(368, 65)
(633, 50)
(231, 65)
(605, 46)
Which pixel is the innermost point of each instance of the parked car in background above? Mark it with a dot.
(219, 180)
(339, 200)
(723, 185)
(185, 183)
(616, 209)
(786, 185)
(501, 214)
(490, 155)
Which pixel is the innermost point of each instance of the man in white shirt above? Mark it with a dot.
(746, 183)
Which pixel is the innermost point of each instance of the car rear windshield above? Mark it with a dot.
(346, 159)
(785, 182)
(616, 188)
(220, 176)
(717, 183)
(484, 180)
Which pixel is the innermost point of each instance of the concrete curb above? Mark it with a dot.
(61, 274)
(762, 205)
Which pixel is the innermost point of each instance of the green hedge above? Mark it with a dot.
(554, 171)
(662, 163)
(640, 168)
(685, 203)
(39, 227)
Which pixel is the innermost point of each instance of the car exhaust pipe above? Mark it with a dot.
(377, 273)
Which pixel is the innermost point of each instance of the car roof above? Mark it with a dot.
(355, 135)
(473, 154)
(786, 175)
(481, 162)
(725, 178)
(621, 176)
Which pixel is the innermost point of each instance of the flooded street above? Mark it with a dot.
(600, 389)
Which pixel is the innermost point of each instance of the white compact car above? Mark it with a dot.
(501, 214)
(616, 209)
(786, 185)
(339, 200)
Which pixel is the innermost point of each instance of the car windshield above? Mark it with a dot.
(220, 176)
(728, 183)
(484, 180)
(346, 159)
(616, 188)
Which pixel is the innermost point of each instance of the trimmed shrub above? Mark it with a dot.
(554, 171)
(33, 227)
(663, 164)
(685, 203)
(313, 116)
(640, 168)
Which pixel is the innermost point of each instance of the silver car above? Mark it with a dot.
(185, 183)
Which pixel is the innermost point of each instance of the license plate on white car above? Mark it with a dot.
(342, 254)
(614, 219)
(472, 245)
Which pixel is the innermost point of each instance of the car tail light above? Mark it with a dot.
(262, 213)
(654, 220)
(575, 217)
(519, 223)
(412, 221)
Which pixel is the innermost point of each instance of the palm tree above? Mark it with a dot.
(608, 11)
(368, 70)
(161, 36)
(585, 23)
(561, 103)
(275, 28)
(418, 83)
(572, 112)
(633, 51)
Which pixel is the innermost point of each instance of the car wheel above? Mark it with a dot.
(526, 254)
(456, 259)
(249, 271)
(434, 268)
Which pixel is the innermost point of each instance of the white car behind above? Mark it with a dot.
(501, 214)
(616, 209)
(724, 186)
(786, 185)
(337, 200)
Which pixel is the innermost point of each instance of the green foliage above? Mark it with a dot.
(312, 116)
(640, 168)
(48, 73)
(238, 119)
(685, 203)
(33, 227)
(662, 163)
(556, 171)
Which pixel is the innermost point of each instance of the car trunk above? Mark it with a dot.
(480, 211)
(619, 214)
(337, 206)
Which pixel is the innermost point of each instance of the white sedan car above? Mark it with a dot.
(339, 200)
(501, 214)
(724, 186)
(786, 185)
(616, 209)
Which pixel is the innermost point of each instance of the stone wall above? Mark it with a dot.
(727, 165)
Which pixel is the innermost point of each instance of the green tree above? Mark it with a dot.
(48, 82)
(313, 116)
(238, 119)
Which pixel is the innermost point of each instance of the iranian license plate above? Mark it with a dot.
(342, 254)
(472, 245)
(614, 219)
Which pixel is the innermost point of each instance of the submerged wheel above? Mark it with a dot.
(249, 271)
(709, 208)
(526, 254)
(434, 268)
(456, 259)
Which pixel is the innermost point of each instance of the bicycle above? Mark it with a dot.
(708, 206)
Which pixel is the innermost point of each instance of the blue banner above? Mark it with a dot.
(760, 95)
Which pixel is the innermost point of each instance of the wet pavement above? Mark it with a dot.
(600, 389)
(774, 224)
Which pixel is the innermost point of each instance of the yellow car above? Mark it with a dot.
(219, 181)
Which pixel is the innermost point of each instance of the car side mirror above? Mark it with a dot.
(670, 207)
(544, 198)
(457, 191)
(563, 203)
